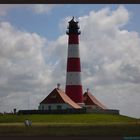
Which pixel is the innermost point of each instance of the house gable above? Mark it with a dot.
(89, 99)
(53, 98)
(57, 96)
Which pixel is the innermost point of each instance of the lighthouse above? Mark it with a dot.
(73, 77)
(72, 99)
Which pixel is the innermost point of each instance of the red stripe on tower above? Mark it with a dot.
(73, 39)
(73, 64)
(74, 92)
(73, 78)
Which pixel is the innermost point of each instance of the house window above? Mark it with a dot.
(42, 107)
(53, 96)
(59, 107)
(49, 107)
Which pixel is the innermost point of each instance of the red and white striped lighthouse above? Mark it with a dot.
(73, 78)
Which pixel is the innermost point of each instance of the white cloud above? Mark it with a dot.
(109, 56)
(112, 48)
(43, 8)
(4, 8)
(36, 8)
(113, 59)
(22, 66)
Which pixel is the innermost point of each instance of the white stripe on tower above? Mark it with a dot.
(73, 51)
(73, 77)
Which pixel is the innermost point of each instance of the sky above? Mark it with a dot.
(33, 53)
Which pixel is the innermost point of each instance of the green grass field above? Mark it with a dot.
(70, 125)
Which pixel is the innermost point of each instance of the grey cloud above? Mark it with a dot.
(109, 56)
(131, 73)
(22, 66)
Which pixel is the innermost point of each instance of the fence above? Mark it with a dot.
(70, 111)
(66, 111)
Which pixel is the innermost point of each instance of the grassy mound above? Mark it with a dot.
(69, 118)
(70, 125)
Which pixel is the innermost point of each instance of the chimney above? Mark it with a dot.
(58, 85)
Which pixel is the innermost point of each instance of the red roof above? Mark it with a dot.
(59, 96)
(89, 99)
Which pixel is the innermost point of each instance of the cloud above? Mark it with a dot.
(4, 8)
(111, 48)
(22, 67)
(31, 66)
(43, 8)
(36, 8)
(109, 56)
